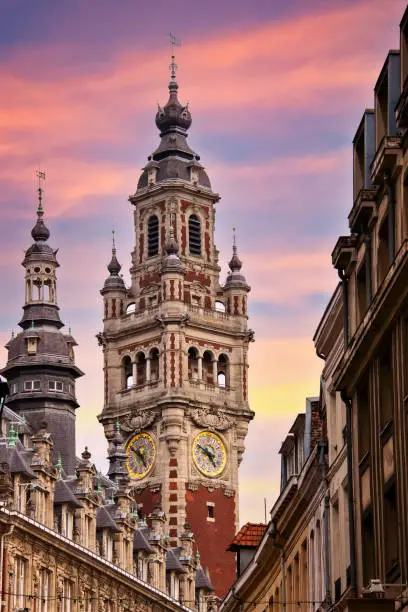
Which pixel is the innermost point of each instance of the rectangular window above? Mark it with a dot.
(19, 583)
(45, 584)
(55, 385)
(68, 524)
(32, 385)
(210, 511)
(67, 596)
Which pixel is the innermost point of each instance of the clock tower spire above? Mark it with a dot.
(175, 348)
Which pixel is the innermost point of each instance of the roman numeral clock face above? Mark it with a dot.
(141, 451)
(209, 453)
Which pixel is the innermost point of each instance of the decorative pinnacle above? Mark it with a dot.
(173, 66)
(99, 489)
(234, 241)
(41, 177)
(59, 467)
(113, 242)
(12, 437)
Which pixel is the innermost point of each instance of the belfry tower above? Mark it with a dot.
(175, 349)
(41, 368)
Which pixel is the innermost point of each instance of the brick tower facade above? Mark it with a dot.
(175, 349)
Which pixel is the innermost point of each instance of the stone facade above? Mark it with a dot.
(358, 560)
(175, 345)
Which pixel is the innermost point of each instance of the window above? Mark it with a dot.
(127, 372)
(32, 345)
(68, 524)
(45, 580)
(192, 363)
(55, 385)
(108, 546)
(67, 596)
(194, 235)
(383, 251)
(19, 582)
(154, 365)
(208, 370)
(210, 512)
(219, 306)
(131, 308)
(32, 385)
(140, 369)
(222, 371)
(13, 388)
(195, 300)
(152, 236)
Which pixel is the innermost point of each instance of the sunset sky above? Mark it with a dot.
(276, 90)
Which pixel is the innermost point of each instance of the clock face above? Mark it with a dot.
(209, 454)
(141, 451)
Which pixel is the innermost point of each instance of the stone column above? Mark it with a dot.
(134, 372)
(147, 369)
(215, 371)
(200, 368)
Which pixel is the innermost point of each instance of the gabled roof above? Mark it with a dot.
(249, 536)
(140, 541)
(64, 495)
(104, 519)
(173, 563)
(202, 581)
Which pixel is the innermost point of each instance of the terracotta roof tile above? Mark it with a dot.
(249, 536)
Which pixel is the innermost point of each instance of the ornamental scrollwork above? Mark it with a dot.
(137, 422)
(212, 418)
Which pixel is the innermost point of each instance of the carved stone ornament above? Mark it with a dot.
(211, 418)
(137, 422)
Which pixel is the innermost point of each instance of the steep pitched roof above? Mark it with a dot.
(104, 519)
(202, 581)
(172, 562)
(249, 536)
(140, 541)
(64, 495)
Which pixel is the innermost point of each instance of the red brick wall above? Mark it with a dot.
(149, 500)
(213, 538)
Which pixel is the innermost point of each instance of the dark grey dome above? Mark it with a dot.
(40, 231)
(173, 158)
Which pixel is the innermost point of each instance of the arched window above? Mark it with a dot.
(127, 372)
(208, 373)
(154, 365)
(193, 363)
(219, 306)
(140, 369)
(131, 308)
(222, 371)
(194, 235)
(152, 236)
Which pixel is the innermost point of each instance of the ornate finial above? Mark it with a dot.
(117, 426)
(99, 489)
(173, 66)
(113, 241)
(59, 467)
(32, 324)
(234, 242)
(41, 177)
(134, 514)
(12, 437)
(86, 455)
(40, 232)
(69, 331)
(12, 334)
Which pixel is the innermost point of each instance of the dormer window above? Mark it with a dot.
(193, 175)
(32, 345)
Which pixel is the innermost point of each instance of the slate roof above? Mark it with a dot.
(140, 541)
(172, 562)
(64, 495)
(249, 536)
(104, 519)
(16, 460)
(202, 581)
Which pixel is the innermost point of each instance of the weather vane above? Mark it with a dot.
(41, 177)
(174, 42)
